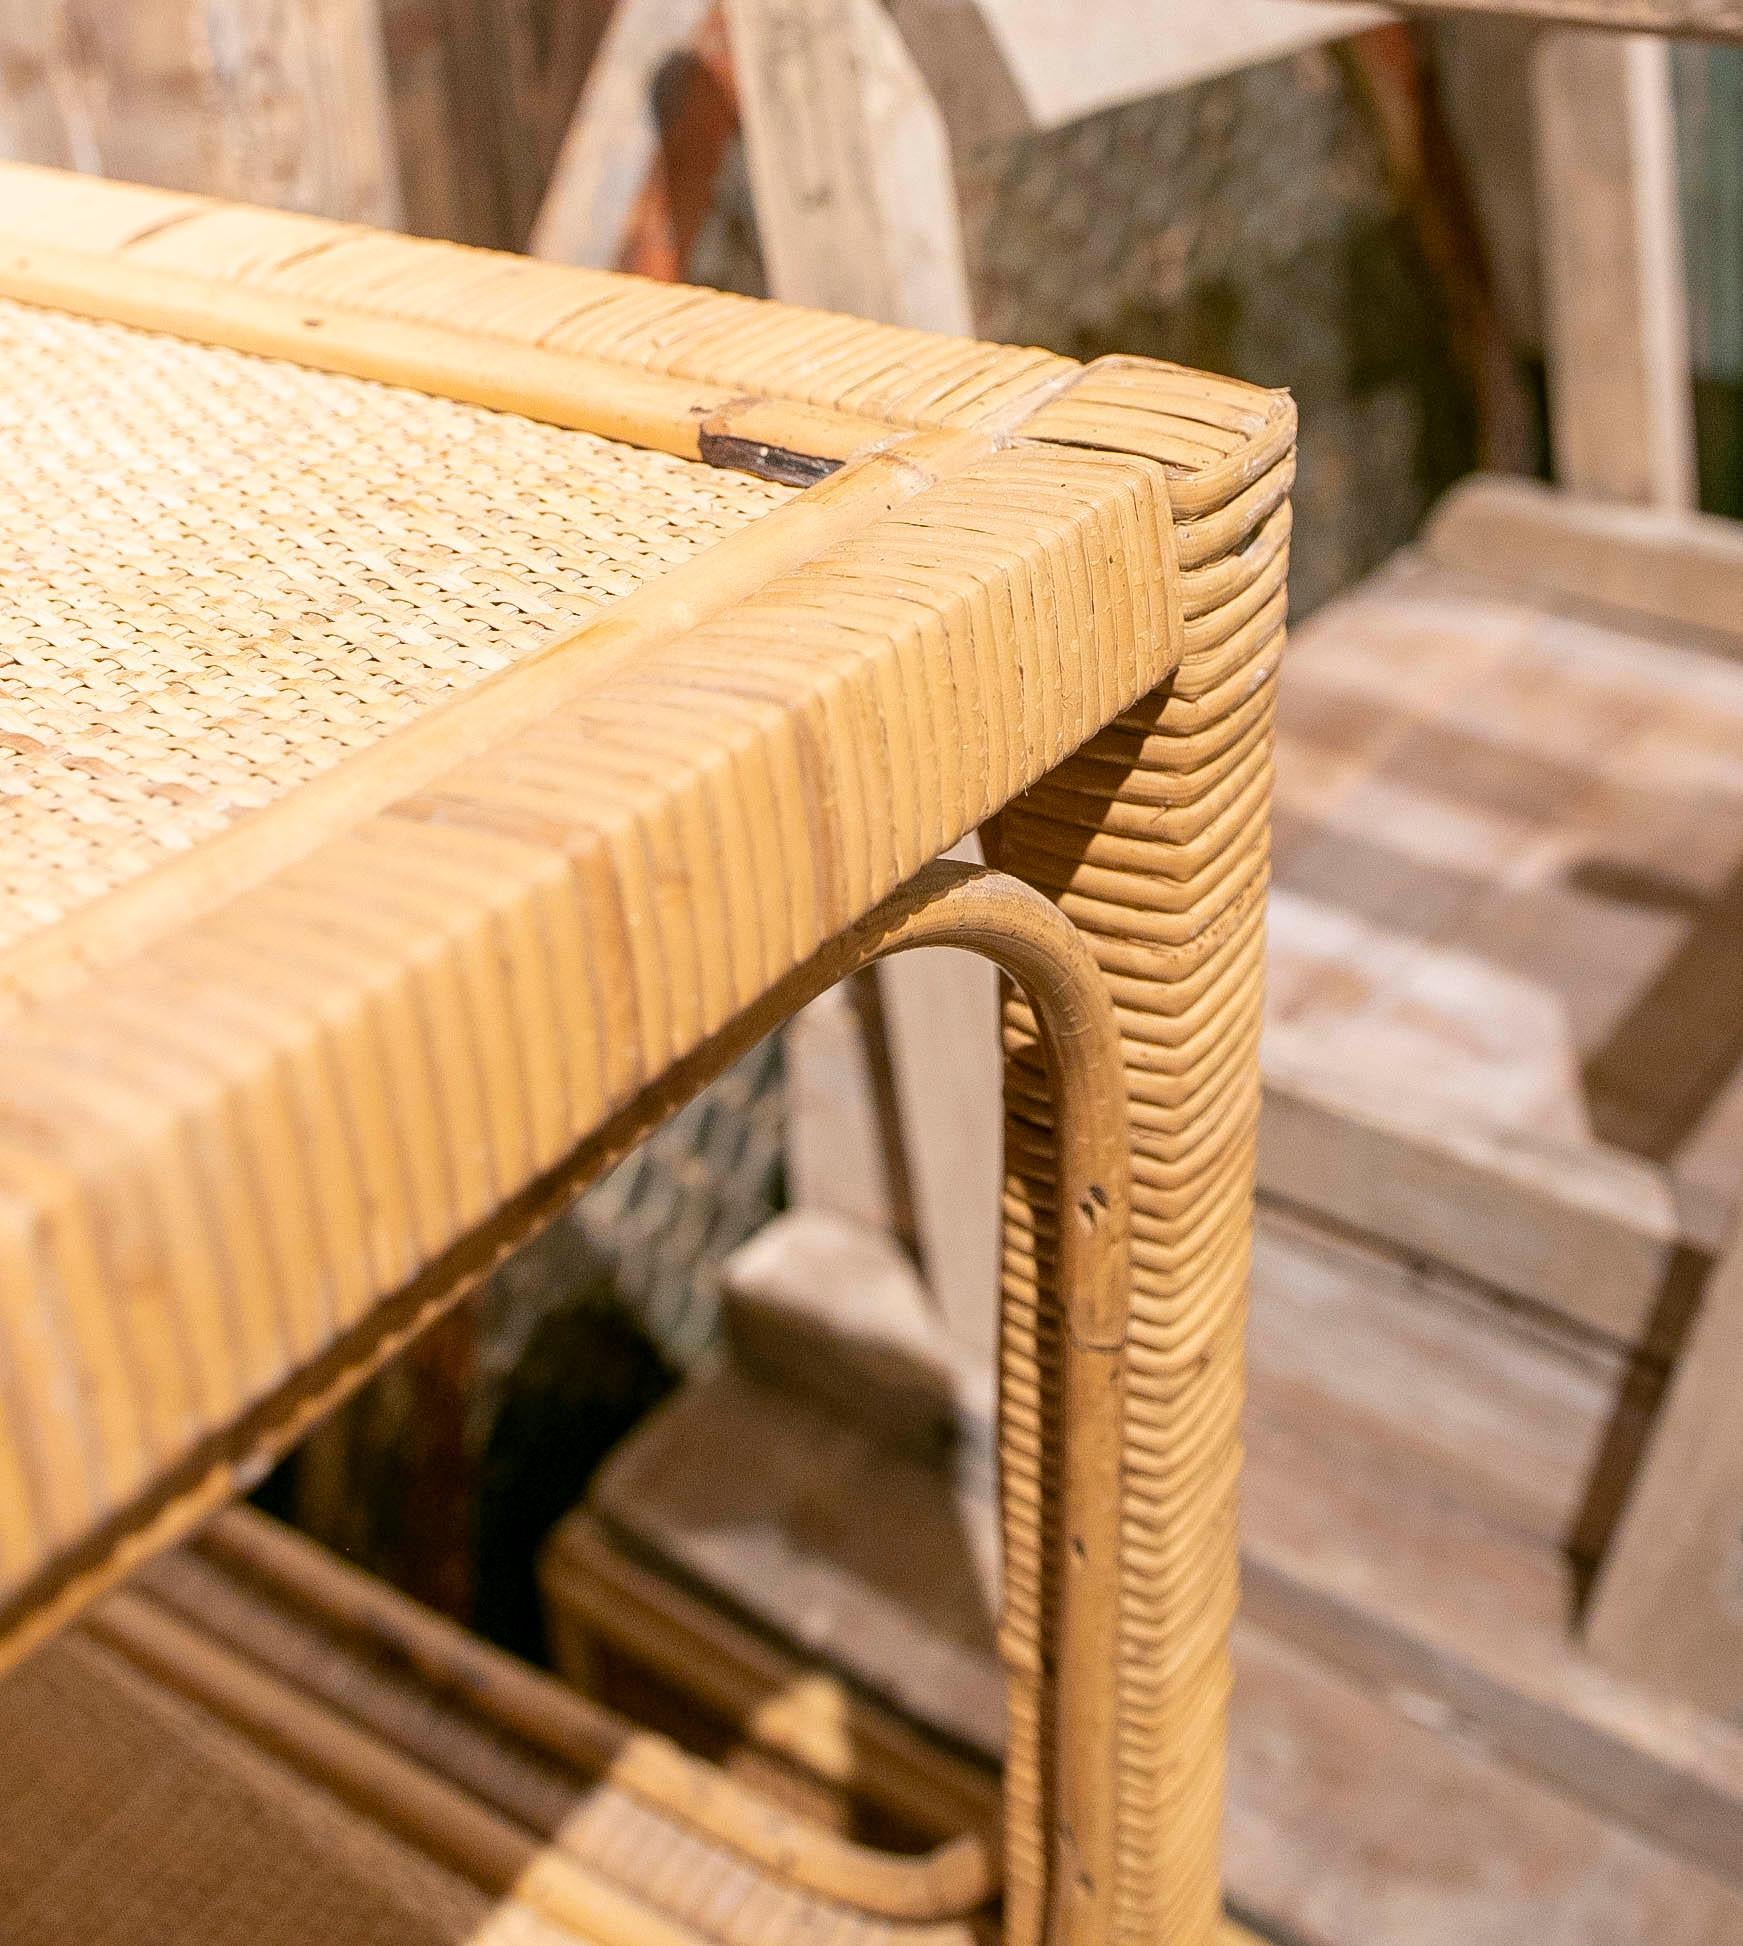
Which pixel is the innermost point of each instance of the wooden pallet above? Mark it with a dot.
(1419, 1752)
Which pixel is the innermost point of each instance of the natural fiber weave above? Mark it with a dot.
(640, 1847)
(1153, 840)
(323, 1076)
(226, 574)
(141, 1805)
(131, 1817)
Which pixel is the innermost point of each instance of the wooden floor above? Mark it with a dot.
(1422, 1752)
(1418, 1753)
(1509, 864)
(1510, 857)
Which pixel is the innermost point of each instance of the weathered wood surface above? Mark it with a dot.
(1592, 1231)
(283, 103)
(850, 167)
(1667, 1607)
(1000, 68)
(1427, 1478)
(1421, 1476)
(849, 163)
(1509, 860)
(1614, 286)
(1663, 566)
(1357, 1818)
(1713, 20)
(881, 1336)
(1428, 1481)
(843, 1145)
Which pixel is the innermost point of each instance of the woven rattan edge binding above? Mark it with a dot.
(947, 903)
(738, 381)
(1118, 405)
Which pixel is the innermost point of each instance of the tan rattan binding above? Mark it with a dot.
(645, 1833)
(267, 1107)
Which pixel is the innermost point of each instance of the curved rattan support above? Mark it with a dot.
(1029, 939)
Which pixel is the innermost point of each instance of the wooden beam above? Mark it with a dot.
(1420, 1465)
(1590, 1231)
(1000, 68)
(1666, 565)
(1667, 1607)
(850, 163)
(855, 192)
(1615, 306)
(941, 1019)
(1710, 20)
(843, 1157)
(613, 142)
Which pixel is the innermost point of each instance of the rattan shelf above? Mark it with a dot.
(448, 705)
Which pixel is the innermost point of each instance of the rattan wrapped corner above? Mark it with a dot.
(453, 701)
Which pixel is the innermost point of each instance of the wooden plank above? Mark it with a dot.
(1352, 1822)
(1615, 304)
(1711, 20)
(1417, 1465)
(849, 162)
(1666, 565)
(844, 1157)
(904, 1602)
(1422, 1471)
(285, 105)
(1509, 863)
(855, 194)
(999, 68)
(880, 1337)
(1590, 1230)
(613, 137)
(941, 1015)
(1668, 1604)
(1350, 1818)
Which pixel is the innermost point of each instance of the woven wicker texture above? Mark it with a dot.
(1153, 840)
(130, 1817)
(148, 1798)
(640, 1847)
(226, 573)
(289, 1102)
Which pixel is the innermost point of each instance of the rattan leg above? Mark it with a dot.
(1152, 840)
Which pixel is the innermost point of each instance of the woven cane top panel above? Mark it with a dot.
(129, 1817)
(224, 574)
